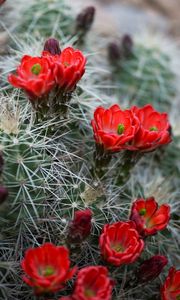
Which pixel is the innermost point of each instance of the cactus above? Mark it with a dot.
(49, 162)
(44, 18)
(143, 74)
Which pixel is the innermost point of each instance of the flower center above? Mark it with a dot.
(153, 128)
(66, 64)
(117, 247)
(89, 293)
(142, 211)
(48, 271)
(120, 128)
(178, 297)
(36, 69)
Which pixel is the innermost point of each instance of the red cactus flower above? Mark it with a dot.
(68, 67)
(148, 217)
(80, 226)
(34, 75)
(47, 268)
(171, 287)
(93, 283)
(154, 128)
(120, 243)
(114, 128)
(151, 268)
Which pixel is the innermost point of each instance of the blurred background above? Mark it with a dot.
(135, 15)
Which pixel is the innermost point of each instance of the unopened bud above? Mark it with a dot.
(2, 2)
(114, 52)
(151, 268)
(52, 46)
(127, 45)
(3, 194)
(170, 130)
(80, 227)
(85, 19)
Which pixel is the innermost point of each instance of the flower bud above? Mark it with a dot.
(2, 2)
(80, 227)
(170, 130)
(114, 52)
(85, 19)
(151, 268)
(127, 45)
(3, 194)
(52, 46)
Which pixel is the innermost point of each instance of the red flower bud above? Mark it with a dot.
(3, 194)
(148, 217)
(114, 52)
(120, 243)
(171, 287)
(151, 268)
(52, 46)
(80, 226)
(47, 268)
(127, 45)
(85, 19)
(2, 2)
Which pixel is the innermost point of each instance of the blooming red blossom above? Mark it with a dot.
(47, 268)
(120, 243)
(148, 217)
(114, 128)
(68, 67)
(151, 268)
(93, 283)
(80, 226)
(34, 75)
(171, 287)
(154, 128)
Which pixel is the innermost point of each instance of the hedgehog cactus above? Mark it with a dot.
(27, 167)
(89, 206)
(142, 73)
